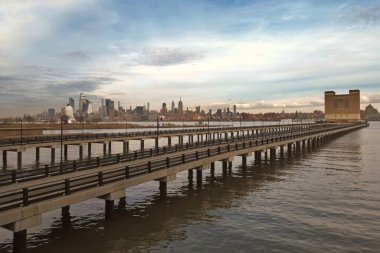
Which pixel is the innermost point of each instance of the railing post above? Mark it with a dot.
(100, 178)
(74, 165)
(183, 158)
(208, 152)
(135, 154)
(46, 170)
(149, 167)
(13, 176)
(126, 172)
(151, 152)
(25, 197)
(167, 162)
(98, 161)
(219, 150)
(196, 155)
(228, 148)
(236, 146)
(67, 186)
(118, 158)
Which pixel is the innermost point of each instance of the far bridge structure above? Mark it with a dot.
(25, 195)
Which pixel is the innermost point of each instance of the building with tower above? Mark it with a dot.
(180, 106)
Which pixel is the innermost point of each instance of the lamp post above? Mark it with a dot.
(208, 128)
(61, 143)
(21, 131)
(126, 127)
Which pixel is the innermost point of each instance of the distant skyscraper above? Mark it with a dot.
(81, 96)
(148, 105)
(180, 106)
(72, 103)
(198, 110)
(110, 107)
(173, 106)
(51, 113)
(164, 109)
(234, 109)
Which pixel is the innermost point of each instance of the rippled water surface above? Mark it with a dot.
(327, 200)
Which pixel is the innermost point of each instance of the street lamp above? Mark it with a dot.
(21, 132)
(208, 128)
(126, 127)
(62, 118)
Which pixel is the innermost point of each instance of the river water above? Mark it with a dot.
(327, 200)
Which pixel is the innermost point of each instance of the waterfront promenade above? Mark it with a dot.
(22, 203)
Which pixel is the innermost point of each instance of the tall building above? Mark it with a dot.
(110, 107)
(148, 105)
(51, 113)
(72, 103)
(180, 106)
(173, 106)
(86, 106)
(81, 97)
(164, 109)
(345, 107)
(234, 109)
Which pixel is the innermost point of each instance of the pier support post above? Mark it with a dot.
(19, 241)
(272, 154)
(122, 202)
(80, 152)
(229, 168)
(190, 174)
(244, 161)
(52, 154)
(142, 143)
(5, 160)
(169, 141)
(282, 151)
(109, 208)
(104, 149)
(163, 188)
(65, 151)
(19, 160)
(224, 168)
(258, 157)
(37, 155)
(212, 170)
(199, 177)
(156, 143)
(66, 211)
(125, 146)
(89, 148)
(110, 147)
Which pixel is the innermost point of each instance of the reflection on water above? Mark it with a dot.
(325, 200)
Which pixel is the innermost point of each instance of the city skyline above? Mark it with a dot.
(259, 55)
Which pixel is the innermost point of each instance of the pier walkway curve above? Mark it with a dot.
(23, 203)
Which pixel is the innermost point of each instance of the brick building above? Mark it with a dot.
(345, 107)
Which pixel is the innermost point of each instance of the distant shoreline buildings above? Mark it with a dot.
(344, 107)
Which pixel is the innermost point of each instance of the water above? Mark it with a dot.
(324, 201)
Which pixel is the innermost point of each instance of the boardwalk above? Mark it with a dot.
(20, 144)
(22, 203)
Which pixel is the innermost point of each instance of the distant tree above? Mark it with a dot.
(29, 118)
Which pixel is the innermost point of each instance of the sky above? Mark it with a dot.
(260, 55)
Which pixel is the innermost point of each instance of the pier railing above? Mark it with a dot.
(24, 196)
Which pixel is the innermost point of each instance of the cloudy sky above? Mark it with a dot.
(262, 55)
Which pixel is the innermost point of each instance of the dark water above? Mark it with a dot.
(324, 201)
